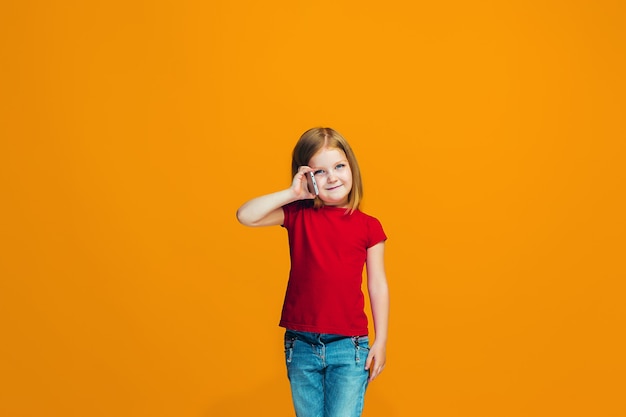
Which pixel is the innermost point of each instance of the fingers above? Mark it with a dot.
(300, 175)
(300, 183)
(304, 169)
(374, 365)
(375, 371)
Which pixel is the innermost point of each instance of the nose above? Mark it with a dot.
(331, 177)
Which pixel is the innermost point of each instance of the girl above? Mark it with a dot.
(329, 361)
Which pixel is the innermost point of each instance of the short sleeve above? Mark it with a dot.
(287, 214)
(376, 234)
(290, 212)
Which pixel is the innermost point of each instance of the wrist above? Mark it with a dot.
(290, 195)
(380, 340)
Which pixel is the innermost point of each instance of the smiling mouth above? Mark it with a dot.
(333, 188)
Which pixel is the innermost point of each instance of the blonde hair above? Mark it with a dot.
(318, 138)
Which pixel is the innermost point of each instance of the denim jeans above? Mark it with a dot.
(327, 373)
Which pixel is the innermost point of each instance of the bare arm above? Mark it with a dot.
(267, 210)
(379, 299)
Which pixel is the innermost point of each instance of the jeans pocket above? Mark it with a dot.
(290, 340)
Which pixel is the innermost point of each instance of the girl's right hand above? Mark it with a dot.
(267, 210)
(299, 184)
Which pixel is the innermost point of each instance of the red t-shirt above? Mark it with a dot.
(328, 248)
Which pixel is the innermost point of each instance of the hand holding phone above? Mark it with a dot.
(311, 183)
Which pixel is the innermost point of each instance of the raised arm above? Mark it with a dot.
(379, 299)
(266, 210)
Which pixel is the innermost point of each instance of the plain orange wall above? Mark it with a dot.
(491, 139)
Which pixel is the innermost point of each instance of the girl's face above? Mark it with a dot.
(333, 175)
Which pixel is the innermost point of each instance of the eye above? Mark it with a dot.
(318, 172)
(340, 166)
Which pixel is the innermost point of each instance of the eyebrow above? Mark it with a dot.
(333, 164)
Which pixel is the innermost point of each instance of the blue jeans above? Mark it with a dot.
(327, 373)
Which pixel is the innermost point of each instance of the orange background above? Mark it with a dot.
(491, 138)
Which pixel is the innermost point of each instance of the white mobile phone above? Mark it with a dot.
(311, 183)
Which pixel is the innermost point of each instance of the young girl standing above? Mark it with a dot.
(329, 360)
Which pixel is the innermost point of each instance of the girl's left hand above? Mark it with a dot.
(377, 356)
